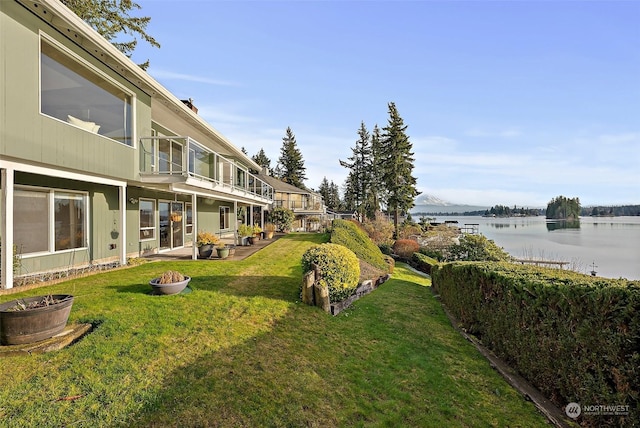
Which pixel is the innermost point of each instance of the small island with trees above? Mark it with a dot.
(563, 208)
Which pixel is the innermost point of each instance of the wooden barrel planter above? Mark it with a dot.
(34, 318)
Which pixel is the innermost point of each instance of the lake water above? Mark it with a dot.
(608, 245)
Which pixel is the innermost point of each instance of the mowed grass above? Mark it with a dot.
(241, 350)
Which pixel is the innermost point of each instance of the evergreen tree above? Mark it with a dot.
(330, 194)
(290, 164)
(334, 197)
(324, 190)
(261, 159)
(111, 19)
(376, 188)
(397, 163)
(349, 202)
(359, 169)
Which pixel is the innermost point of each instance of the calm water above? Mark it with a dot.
(611, 244)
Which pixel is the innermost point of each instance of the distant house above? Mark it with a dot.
(307, 205)
(99, 162)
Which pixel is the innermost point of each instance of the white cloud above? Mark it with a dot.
(160, 74)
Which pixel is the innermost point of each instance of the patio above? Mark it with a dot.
(241, 253)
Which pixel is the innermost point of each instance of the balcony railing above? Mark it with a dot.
(184, 157)
(299, 205)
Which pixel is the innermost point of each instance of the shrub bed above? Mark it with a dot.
(404, 248)
(348, 234)
(573, 336)
(339, 268)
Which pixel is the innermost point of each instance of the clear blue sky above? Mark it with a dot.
(506, 102)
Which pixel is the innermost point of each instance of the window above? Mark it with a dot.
(225, 221)
(69, 215)
(147, 219)
(49, 221)
(74, 93)
(189, 222)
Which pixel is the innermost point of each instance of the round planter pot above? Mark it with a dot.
(172, 288)
(32, 325)
(223, 253)
(205, 251)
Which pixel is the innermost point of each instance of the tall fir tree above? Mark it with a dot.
(324, 190)
(376, 188)
(261, 159)
(290, 164)
(334, 197)
(111, 19)
(397, 161)
(359, 169)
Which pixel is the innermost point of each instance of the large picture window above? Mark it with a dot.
(74, 93)
(49, 221)
(147, 219)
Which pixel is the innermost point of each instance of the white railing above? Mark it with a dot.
(184, 156)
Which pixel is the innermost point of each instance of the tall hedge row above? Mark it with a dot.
(573, 336)
(348, 233)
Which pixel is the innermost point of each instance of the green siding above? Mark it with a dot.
(26, 134)
(103, 219)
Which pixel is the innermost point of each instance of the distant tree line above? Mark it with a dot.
(505, 211)
(623, 210)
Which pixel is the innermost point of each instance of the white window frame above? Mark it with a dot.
(225, 212)
(155, 220)
(188, 227)
(51, 192)
(84, 63)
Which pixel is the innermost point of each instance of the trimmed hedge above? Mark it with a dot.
(339, 268)
(573, 336)
(348, 233)
(423, 263)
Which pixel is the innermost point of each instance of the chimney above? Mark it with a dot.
(189, 103)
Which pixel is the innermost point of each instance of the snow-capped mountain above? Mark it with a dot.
(432, 204)
(431, 200)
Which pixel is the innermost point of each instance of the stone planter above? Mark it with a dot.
(171, 288)
(30, 325)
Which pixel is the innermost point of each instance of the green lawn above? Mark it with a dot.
(242, 350)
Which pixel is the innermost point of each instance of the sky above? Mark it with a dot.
(505, 102)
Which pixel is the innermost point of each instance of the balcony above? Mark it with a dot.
(301, 206)
(182, 160)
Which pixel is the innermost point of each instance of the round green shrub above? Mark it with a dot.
(339, 268)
